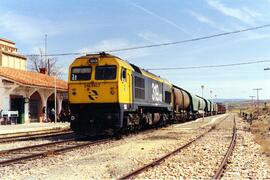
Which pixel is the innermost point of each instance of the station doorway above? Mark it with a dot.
(35, 109)
(17, 104)
(51, 109)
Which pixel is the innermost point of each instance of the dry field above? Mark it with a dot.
(260, 127)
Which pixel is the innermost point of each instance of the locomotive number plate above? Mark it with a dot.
(88, 85)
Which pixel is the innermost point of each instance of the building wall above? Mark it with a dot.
(0, 58)
(4, 97)
(8, 47)
(24, 98)
(9, 56)
(12, 62)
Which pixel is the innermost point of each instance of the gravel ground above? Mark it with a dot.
(17, 144)
(199, 160)
(108, 160)
(247, 161)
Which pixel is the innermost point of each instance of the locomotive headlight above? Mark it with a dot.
(109, 117)
(72, 118)
(112, 91)
(93, 61)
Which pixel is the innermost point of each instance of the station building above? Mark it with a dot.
(29, 93)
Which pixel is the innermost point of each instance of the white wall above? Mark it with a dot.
(4, 97)
(13, 62)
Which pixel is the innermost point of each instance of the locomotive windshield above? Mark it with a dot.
(80, 73)
(105, 72)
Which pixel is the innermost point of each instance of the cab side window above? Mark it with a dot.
(124, 74)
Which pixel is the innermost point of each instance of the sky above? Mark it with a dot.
(100, 25)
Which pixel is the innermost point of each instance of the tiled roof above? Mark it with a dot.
(29, 78)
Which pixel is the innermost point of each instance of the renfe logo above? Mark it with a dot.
(156, 96)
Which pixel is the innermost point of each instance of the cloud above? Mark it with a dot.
(25, 28)
(243, 14)
(152, 37)
(163, 19)
(113, 44)
(206, 20)
(105, 45)
(149, 36)
(252, 13)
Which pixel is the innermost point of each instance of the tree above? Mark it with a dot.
(50, 63)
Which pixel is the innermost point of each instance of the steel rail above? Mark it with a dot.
(36, 146)
(44, 131)
(33, 136)
(224, 162)
(47, 152)
(159, 160)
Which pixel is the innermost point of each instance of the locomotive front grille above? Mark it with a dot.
(95, 118)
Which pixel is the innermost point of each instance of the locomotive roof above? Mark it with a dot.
(128, 65)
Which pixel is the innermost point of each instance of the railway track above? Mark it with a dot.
(32, 136)
(158, 161)
(17, 155)
(224, 162)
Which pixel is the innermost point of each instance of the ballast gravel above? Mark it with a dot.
(247, 161)
(200, 160)
(109, 160)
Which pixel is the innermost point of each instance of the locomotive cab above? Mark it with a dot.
(99, 92)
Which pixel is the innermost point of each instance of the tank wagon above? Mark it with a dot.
(202, 105)
(221, 109)
(208, 110)
(109, 95)
(181, 104)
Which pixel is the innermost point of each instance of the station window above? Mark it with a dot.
(124, 74)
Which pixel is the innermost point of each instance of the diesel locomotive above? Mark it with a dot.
(108, 95)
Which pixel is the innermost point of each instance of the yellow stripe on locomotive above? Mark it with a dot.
(100, 79)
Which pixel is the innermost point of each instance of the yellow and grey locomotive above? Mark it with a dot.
(110, 95)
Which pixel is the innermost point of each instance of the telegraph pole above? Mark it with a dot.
(266, 69)
(202, 86)
(252, 100)
(46, 59)
(46, 113)
(49, 73)
(55, 91)
(257, 89)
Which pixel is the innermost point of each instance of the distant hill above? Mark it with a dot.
(229, 101)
